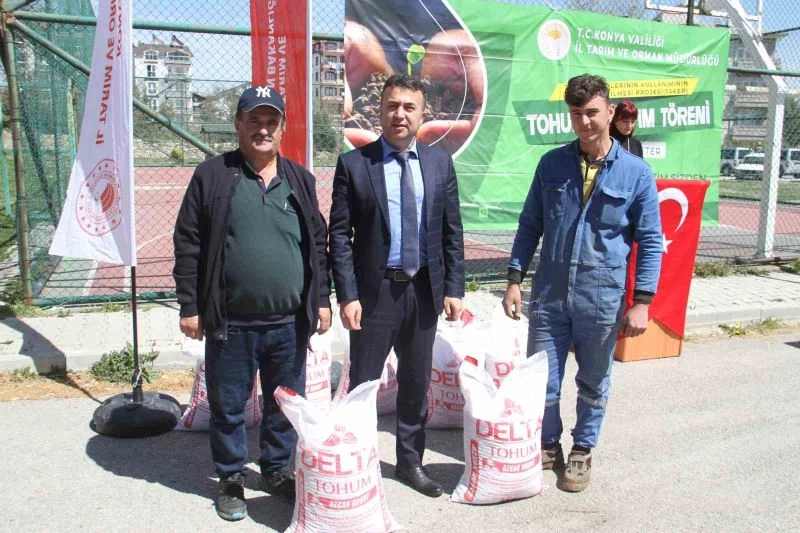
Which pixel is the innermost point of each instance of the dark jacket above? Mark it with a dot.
(628, 142)
(201, 230)
(359, 225)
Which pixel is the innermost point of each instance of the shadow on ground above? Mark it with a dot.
(446, 442)
(44, 355)
(181, 461)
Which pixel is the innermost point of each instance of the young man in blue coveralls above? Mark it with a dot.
(590, 200)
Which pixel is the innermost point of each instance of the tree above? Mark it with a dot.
(791, 122)
(325, 137)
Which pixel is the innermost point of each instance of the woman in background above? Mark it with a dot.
(623, 124)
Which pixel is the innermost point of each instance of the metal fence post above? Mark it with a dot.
(772, 163)
(19, 175)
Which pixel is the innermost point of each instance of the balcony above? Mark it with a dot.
(750, 99)
(748, 132)
(178, 58)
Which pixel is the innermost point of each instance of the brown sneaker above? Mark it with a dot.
(579, 467)
(553, 457)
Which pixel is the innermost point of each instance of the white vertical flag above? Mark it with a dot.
(98, 218)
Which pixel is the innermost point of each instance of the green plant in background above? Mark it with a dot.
(414, 55)
(757, 326)
(769, 324)
(22, 374)
(735, 330)
(326, 139)
(103, 307)
(106, 307)
(13, 293)
(14, 298)
(117, 366)
(788, 192)
(8, 234)
(712, 269)
(474, 284)
(177, 154)
(793, 267)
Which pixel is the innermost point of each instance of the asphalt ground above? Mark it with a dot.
(700, 442)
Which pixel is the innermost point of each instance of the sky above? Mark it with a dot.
(328, 18)
(219, 60)
(777, 15)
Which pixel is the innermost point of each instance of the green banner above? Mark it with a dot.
(515, 69)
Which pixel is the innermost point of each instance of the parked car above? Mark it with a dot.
(790, 162)
(730, 157)
(751, 167)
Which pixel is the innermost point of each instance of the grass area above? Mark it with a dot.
(793, 267)
(26, 384)
(759, 326)
(717, 269)
(8, 234)
(325, 159)
(13, 297)
(8, 228)
(165, 162)
(788, 191)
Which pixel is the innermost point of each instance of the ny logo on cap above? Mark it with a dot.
(262, 92)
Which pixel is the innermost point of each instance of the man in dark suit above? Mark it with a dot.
(397, 252)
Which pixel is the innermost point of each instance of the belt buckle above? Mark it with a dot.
(397, 274)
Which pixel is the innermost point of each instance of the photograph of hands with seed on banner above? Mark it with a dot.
(369, 265)
(496, 75)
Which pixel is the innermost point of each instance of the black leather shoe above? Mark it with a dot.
(416, 478)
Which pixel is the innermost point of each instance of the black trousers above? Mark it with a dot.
(403, 318)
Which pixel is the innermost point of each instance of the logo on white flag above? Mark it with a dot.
(99, 205)
(97, 221)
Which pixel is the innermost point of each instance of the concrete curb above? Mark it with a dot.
(77, 340)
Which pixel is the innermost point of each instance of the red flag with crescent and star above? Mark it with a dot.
(681, 205)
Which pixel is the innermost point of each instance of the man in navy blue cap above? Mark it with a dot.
(251, 276)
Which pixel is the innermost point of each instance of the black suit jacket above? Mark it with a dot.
(359, 225)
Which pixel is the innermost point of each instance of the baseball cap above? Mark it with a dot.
(255, 96)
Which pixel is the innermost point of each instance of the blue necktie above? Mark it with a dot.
(409, 251)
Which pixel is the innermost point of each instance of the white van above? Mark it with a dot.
(730, 157)
(790, 162)
(751, 167)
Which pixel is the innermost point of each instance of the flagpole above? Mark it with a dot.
(136, 379)
(105, 198)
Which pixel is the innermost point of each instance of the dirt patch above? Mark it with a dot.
(77, 384)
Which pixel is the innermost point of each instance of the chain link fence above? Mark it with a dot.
(191, 62)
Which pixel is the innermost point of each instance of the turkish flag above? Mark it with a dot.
(281, 52)
(681, 205)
